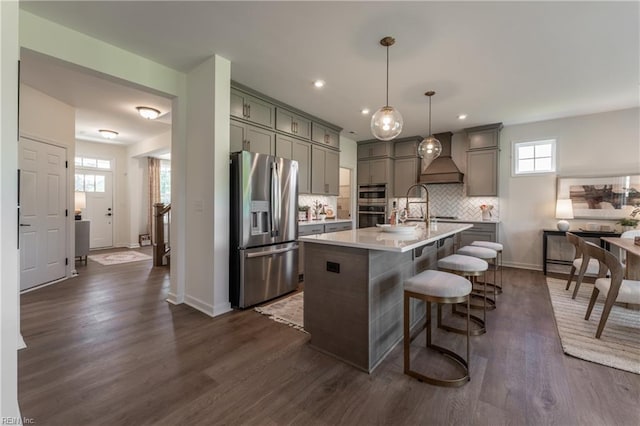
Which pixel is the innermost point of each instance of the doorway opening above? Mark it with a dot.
(345, 200)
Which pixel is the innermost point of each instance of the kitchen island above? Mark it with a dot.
(353, 287)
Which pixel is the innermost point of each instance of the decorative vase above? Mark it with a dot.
(486, 215)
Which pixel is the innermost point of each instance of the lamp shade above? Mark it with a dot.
(564, 209)
(80, 200)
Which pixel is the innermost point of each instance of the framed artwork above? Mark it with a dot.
(602, 197)
(144, 240)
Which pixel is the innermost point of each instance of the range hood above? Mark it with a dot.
(442, 169)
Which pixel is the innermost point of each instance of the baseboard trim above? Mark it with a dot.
(199, 305)
(44, 285)
(133, 246)
(221, 308)
(173, 299)
(21, 343)
(529, 266)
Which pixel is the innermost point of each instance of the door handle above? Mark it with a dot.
(25, 224)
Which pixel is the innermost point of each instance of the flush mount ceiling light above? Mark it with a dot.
(148, 112)
(108, 134)
(386, 123)
(319, 84)
(430, 147)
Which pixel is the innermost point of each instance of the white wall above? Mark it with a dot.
(589, 145)
(49, 120)
(121, 185)
(207, 213)
(349, 160)
(9, 302)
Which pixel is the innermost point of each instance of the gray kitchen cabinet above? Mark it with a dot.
(482, 160)
(480, 232)
(325, 164)
(482, 173)
(335, 227)
(406, 173)
(324, 135)
(406, 147)
(245, 137)
(375, 171)
(374, 150)
(294, 149)
(313, 229)
(250, 108)
(289, 122)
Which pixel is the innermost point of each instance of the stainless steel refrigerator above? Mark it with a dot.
(263, 261)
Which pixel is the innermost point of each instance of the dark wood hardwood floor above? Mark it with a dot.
(105, 348)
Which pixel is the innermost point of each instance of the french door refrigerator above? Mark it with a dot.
(263, 261)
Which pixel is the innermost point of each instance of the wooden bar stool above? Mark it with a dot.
(498, 248)
(441, 288)
(470, 268)
(487, 255)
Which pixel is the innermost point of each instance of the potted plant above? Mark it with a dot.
(303, 213)
(628, 223)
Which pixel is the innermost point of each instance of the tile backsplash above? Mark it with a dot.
(308, 200)
(451, 200)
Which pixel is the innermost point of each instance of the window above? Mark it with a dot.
(165, 181)
(89, 183)
(93, 163)
(534, 157)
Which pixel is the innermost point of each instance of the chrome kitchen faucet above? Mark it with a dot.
(425, 216)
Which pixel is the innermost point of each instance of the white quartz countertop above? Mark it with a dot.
(321, 222)
(375, 239)
(467, 221)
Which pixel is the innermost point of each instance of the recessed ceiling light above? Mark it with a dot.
(365, 111)
(108, 134)
(148, 112)
(462, 116)
(319, 84)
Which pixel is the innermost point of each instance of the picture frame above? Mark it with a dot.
(144, 240)
(600, 197)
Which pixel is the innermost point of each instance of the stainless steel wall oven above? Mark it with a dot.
(372, 205)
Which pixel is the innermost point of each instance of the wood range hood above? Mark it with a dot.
(442, 169)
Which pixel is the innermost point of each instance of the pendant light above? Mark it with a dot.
(430, 147)
(386, 123)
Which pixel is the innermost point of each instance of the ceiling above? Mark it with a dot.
(510, 62)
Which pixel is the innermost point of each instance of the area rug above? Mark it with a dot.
(619, 344)
(118, 257)
(289, 311)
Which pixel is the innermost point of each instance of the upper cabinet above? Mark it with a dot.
(288, 122)
(378, 149)
(250, 108)
(483, 160)
(265, 125)
(324, 135)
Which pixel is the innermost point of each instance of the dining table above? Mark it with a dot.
(632, 271)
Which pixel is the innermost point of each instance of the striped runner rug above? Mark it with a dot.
(619, 344)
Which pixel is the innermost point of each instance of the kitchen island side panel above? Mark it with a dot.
(336, 304)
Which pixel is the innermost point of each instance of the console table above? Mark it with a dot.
(584, 234)
(82, 239)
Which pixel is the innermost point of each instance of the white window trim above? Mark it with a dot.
(514, 156)
(93, 157)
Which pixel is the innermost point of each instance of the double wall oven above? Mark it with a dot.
(372, 205)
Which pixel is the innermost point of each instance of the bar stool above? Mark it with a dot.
(498, 248)
(487, 255)
(468, 267)
(439, 287)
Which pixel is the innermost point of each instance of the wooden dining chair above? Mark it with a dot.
(576, 265)
(615, 288)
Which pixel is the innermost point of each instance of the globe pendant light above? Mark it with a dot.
(387, 122)
(430, 147)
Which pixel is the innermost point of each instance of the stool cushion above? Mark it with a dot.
(458, 262)
(488, 244)
(438, 284)
(479, 252)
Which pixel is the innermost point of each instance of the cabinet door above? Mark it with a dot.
(317, 170)
(405, 175)
(284, 120)
(332, 172)
(483, 139)
(333, 138)
(318, 133)
(301, 152)
(301, 127)
(259, 140)
(406, 149)
(379, 171)
(364, 176)
(237, 104)
(237, 136)
(469, 236)
(374, 149)
(482, 173)
(284, 147)
(259, 111)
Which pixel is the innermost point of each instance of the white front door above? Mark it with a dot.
(99, 211)
(43, 195)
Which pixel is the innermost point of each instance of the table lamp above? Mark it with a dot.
(564, 210)
(80, 203)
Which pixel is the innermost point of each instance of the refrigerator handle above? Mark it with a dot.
(275, 185)
(271, 252)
